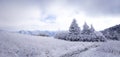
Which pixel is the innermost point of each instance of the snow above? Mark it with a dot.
(18, 45)
(109, 49)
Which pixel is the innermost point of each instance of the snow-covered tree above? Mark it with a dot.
(74, 31)
(93, 37)
(92, 29)
(75, 34)
(74, 28)
(85, 26)
(89, 34)
(86, 29)
(99, 36)
(115, 35)
(61, 35)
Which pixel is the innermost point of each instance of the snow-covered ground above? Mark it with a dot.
(17, 45)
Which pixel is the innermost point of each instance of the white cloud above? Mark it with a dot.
(32, 17)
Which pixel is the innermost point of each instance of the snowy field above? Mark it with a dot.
(18, 45)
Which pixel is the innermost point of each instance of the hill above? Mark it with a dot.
(112, 32)
(17, 45)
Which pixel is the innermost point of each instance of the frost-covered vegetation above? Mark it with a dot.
(16, 45)
(76, 34)
(112, 33)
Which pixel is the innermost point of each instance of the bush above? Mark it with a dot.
(61, 35)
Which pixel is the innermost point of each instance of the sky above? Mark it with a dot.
(58, 14)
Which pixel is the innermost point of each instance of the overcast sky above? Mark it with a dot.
(58, 14)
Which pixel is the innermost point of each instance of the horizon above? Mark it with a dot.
(57, 15)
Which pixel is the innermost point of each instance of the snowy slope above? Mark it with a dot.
(16, 45)
(110, 49)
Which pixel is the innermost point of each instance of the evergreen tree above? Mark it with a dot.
(115, 35)
(88, 34)
(86, 29)
(74, 31)
(92, 29)
(74, 28)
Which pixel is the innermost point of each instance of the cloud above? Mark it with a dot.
(97, 7)
(49, 18)
(58, 14)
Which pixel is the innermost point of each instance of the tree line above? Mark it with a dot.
(76, 34)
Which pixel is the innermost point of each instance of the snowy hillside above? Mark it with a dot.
(16, 45)
(112, 33)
